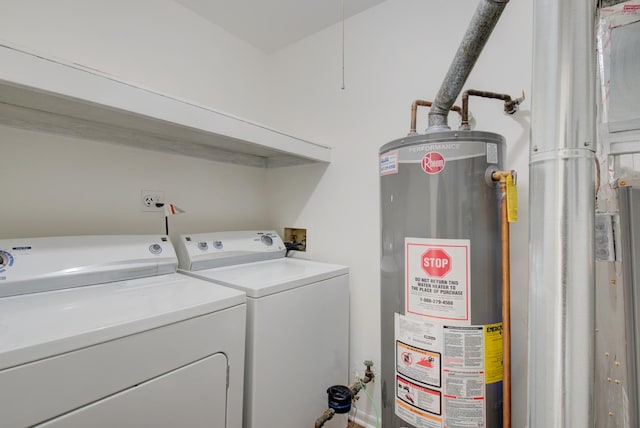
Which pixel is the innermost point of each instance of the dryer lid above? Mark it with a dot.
(272, 276)
(40, 325)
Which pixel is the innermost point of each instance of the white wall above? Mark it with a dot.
(60, 186)
(396, 52)
(156, 43)
(55, 185)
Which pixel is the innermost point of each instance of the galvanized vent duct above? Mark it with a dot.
(562, 214)
(478, 32)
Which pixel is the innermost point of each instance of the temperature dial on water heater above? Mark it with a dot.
(267, 240)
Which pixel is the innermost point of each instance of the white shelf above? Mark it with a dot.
(52, 96)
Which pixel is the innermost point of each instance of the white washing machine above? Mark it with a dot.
(110, 336)
(297, 322)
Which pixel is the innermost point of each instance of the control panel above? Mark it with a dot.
(216, 249)
(32, 265)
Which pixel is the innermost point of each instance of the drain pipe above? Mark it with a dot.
(482, 24)
(562, 216)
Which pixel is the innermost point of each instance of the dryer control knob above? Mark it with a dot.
(267, 240)
(218, 245)
(155, 248)
(203, 245)
(6, 259)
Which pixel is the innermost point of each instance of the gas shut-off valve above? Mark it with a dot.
(340, 397)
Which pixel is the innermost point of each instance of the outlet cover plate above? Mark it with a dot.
(149, 199)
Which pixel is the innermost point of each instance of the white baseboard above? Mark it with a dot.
(366, 420)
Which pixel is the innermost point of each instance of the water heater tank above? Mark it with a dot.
(440, 281)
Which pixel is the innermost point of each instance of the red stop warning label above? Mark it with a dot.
(436, 262)
(432, 163)
(437, 278)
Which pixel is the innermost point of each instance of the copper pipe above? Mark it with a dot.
(327, 415)
(510, 105)
(424, 103)
(501, 177)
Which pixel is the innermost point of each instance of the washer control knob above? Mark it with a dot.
(267, 240)
(155, 248)
(3, 261)
(218, 245)
(203, 245)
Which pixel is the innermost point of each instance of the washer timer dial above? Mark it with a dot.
(267, 240)
(6, 259)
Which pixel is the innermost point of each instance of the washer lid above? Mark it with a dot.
(40, 325)
(272, 276)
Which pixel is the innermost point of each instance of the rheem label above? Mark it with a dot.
(432, 163)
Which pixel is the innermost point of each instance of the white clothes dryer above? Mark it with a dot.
(99, 331)
(297, 322)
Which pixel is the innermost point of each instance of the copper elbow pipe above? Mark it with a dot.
(510, 105)
(501, 178)
(424, 103)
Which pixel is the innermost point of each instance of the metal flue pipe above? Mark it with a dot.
(562, 215)
(482, 24)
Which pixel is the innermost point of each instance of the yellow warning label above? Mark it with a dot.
(512, 200)
(493, 352)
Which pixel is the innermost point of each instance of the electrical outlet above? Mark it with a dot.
(149, 199)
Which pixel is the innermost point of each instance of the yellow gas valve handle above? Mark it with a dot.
(512, 198)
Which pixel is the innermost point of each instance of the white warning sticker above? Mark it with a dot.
(464, 399)
(440, 369)
(492, 153)
(437, 279)
(389, 163)
(419, 350)
(418, 364)
(464, 347)
(461, 384)
(416, 417)
(418, 396)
